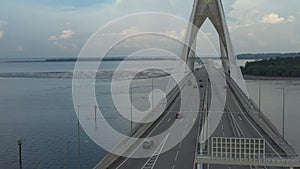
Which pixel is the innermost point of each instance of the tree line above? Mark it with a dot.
(286, 67)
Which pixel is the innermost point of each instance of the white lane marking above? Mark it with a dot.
(171, 108)
(176, 156)
(152, 160)
(183, 134)
(185, 126)
(180, 144)
(256, 129)
(261, 136)
(173, 166)
(169, 120)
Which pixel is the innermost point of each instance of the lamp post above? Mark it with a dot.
(131, 100)
(131, 109)
(283, 111)
(78, 138)
(152, 84)
(259, 96)
(20, 153)
(68, 152)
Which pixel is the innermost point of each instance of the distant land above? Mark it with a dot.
(267, 55)
(274, 67)
(121, 58)
(95, 59)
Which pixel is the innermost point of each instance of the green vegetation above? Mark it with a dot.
(267, 55)
(285, 67)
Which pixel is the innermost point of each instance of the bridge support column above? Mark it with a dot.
(191, 64)
(224, 59)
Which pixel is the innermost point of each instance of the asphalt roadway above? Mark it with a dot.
(182, 155)
(245, 128)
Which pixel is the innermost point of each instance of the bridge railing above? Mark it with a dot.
(262, 121)
(268, 161)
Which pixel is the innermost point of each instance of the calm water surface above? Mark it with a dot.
(41, 113)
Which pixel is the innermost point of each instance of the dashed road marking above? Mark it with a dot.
(183, 134)
(176, 155)
(152, 160)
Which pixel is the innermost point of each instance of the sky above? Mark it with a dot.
(60, 28)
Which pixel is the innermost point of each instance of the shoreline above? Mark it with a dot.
(253, 77)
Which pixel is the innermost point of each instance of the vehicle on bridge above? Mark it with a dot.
(147, 144)
(179, 116)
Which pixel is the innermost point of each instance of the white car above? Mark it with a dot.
(147, 144)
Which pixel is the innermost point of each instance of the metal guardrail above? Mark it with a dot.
(262, 121)
(269, 162)
(139, 130)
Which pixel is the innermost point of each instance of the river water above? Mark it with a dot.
(41, 113)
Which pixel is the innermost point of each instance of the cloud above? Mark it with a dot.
(129, 31)
(176, 34)
(291, 19)
(19, 48)
(66, 34)
(3, 23)
(272, 18)
(60, 45)
(1, 34)
(53, 38)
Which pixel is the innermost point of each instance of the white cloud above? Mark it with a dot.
(176, 34)
(19, 48)
(246, 12)
(53, 38)
(3, 23)
(291, 19)
(66, 34)
(1, 34)
(129, 31)
(272, 18)
(60, 45)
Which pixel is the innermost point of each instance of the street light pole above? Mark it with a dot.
(131, 101)
(259, 96)
(283, 111)
(20, 153)
(68, 149)
(78, 138)
(131, 108)
(152, 94)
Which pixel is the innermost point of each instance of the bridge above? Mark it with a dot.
(243, 138)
